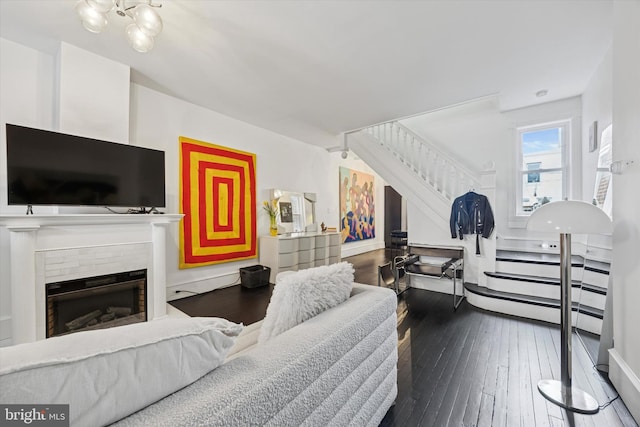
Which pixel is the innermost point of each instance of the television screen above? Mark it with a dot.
(51, 168)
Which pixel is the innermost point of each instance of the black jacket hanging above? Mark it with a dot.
(471, 214)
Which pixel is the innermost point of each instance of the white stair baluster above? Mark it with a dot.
(434, 167)
(446, 178)
(419, 159)
(464, 184)
(436, 172)
(411, 156)
(425, 163)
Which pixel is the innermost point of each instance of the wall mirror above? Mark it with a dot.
(602, 191)
(594, 325)
(591, 317)
(296, 211)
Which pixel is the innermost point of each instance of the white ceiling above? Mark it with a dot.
(313, 69)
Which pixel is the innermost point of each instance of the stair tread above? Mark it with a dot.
(527, 257)
(529, 278)
(597, 266)
(594, 288)
(528, 299)
(546, 281)
(535, 258)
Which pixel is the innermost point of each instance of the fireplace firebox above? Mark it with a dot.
(96, 302)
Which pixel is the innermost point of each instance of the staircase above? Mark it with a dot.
(415, 168)
(527, 284)
(523, 281)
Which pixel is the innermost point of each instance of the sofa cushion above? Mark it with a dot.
(105, 375)
(246, 340)
(299, 296)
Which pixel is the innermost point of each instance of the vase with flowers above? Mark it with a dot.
(272, 209)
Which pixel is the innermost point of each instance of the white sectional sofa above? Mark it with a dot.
(337, 368)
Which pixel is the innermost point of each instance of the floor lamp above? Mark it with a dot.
(566, 217)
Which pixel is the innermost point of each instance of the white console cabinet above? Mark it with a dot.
(297, 251)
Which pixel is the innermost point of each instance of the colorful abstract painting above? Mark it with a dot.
(357, 205)
(218, 200)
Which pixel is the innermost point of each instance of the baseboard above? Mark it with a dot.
(357, 248)
(187, 289)
(175, 313)
(5, 330)
(512, 308)
(626, 382)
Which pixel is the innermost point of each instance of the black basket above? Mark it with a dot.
(254, 276)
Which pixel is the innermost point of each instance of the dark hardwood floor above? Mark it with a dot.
(464, 368)
(244, 305)
(235, 303)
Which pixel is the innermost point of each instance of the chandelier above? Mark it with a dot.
(146, 21)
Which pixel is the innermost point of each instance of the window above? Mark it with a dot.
(542, 166)
(533, 176)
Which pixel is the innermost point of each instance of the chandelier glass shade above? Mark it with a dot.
(102, 6)
(146, 22)
(91, 18)
(138, 39)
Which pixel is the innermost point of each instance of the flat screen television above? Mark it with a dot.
(51, 168)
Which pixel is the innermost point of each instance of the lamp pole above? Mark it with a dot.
(562, 392)
(566, 217)
(565, 315)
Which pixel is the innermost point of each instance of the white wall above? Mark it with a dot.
(625, 356)
(157, 122)
(93, 95)
(29, 84)
(26, 85)
(476, 142)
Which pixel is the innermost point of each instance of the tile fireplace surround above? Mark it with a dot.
(52, 248)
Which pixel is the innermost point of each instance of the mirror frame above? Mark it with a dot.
(599, 256)
(308, 211)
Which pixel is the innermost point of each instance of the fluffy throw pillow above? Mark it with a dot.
(301, 295)
(107, 374)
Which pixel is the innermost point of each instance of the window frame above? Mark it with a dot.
(564, 168)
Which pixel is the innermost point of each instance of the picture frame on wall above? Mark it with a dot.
(593, 137)
(357, 205)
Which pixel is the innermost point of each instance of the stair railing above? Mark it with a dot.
(436, 168)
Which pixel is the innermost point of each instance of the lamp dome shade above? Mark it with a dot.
(570, 216)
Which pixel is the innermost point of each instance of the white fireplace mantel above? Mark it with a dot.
(30, 235)
(36, 221)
